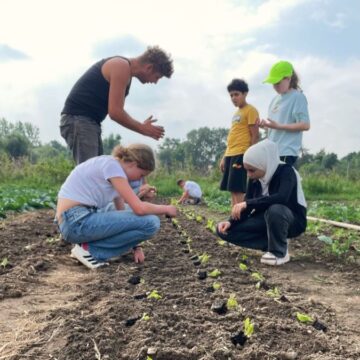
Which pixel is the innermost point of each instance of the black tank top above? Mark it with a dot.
(90, 94)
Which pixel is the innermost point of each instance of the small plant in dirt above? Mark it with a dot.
(248, 327)
(215, 273)
(274, 293)
(204, 258)
(145, 317)
(4, 262)
(52, 240)
(257, 276)
(304, 318)
(199, 218)
(154, 295)
(216, 285)
(175, 223)
(211, 225)
(231, 303)
(221, 242)
(337, 247)
(243, 267)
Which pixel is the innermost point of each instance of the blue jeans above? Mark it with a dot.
(108, 234)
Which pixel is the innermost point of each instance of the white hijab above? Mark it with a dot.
(265, 156)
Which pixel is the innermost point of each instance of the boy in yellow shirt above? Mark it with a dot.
(243, 133)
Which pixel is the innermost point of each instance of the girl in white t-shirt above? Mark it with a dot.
(100, 235)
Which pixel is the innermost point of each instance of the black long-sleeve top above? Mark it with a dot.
(282, 190)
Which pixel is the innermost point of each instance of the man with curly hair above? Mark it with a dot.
(101, 91)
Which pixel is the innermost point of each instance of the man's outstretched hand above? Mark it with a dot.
(155, 131)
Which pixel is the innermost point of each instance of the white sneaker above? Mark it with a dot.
(86, 258)
(270, 259)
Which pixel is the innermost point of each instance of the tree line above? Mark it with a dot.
(200, 151)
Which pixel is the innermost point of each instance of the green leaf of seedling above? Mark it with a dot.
(154, 295)
(145, 317)
(142, 281)
(303, 318)
(248, 327)
(232, 303)
(52, 240)
(258, 285)
(4, 262)
(326, 239)
(215, 273)
(204, 258)
(221, 242)
(216, 285)
(257, 276)
(244, 257)
(149, 357)
(175, 222)
(275, 293)
(243, 267)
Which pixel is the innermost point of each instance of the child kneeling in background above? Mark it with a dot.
(191, 192)
(274, 208)
(100, 235)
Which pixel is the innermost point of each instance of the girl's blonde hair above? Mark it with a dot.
(141, 154)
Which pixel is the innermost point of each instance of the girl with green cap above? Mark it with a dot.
(288, 114)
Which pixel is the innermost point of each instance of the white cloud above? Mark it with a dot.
(211, 42)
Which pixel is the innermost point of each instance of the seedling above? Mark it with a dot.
(149, 358)
(175, 222)
(216, 285)
(221, 242)
(154, 295)
(52, 240)
(243, 267)
(257, 276)
(215, 273)
(199, 218)
(232, 303)
(248, 327)
(275, 293)
(204, 258)
(173, 202)
(145, 317)
(303, 318)
(4, 262)
(211, 226)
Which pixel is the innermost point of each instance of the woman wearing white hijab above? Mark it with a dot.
(274, 208)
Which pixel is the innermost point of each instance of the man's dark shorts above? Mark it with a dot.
(83, 136)
(234, 176)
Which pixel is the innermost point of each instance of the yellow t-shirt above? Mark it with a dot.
(239, 137)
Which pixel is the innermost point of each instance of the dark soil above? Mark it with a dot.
(52, 307)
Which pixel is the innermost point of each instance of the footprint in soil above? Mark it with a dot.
(201, 275)
(319, 326)
(132, 320)
(239, 338)
(134, 280)
(219, 306)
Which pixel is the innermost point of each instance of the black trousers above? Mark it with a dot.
(266, 231)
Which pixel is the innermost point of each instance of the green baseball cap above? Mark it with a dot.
(279, 71)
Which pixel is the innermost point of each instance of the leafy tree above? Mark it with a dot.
(110, 142)
(17, 145)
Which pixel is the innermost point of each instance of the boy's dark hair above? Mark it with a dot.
(180, 181)
(238, 85)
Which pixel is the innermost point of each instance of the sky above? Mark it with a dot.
(46, 45)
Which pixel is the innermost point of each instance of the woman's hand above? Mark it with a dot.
(269, 124)
(237, 210)
(170, 210)
(139, 256)
(223, 227)
(222, 165)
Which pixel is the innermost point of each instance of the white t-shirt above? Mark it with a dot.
(88, 183)
(193, 189)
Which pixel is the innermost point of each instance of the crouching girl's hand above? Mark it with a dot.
(139, 256)
(223, 227)
(170, 210)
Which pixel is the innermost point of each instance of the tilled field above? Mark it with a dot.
(51, 307)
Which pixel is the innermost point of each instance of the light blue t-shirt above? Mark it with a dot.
(88, 183)
(288, 108)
